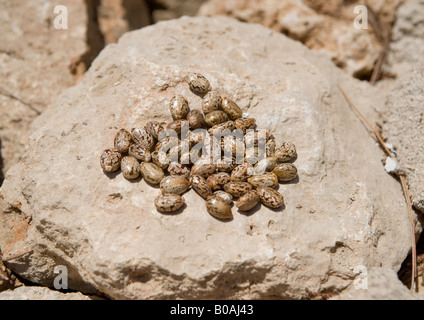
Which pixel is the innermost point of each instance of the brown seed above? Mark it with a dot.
(110, 160)
(200, 185)
(253, 155)
(238, 189)
(140, 152)
(178, 169)
(196, 119)
(169, 203)
(286, 152)
(285, 172)
(231, 108)
(203, 168)
(222, 128)
(231, 146)
(268, 179)
(178, 125)
(161, 159)
(212, 101)
(122, 141)
(228, 198)
(256, 138)
(226, 164)
(167, 143)
(151, 172)
(248, 201)
(142, 137)
(245, 123)
(270, 197)
(215, 117)
(130, 167)
(174, 185)
(265, 165)
(154, 128)
(242, 172)
(179, 107)
(198, 83)
(270, 148)
(218, 180)
(218, 208)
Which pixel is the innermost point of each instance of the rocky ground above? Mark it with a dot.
(344, 212)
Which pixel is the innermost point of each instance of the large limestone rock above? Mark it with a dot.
(326, 26)
(344, 211)
(403, 127)
(37, 62)
(172, 9)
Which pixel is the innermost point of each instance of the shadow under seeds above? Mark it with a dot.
(175, 213)
(112, 175)
(251, 212)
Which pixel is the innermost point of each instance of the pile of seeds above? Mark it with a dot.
(218, 152)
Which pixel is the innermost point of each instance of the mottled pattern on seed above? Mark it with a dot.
(285, 172)
(218, 208)
(222, 128)
(153, 128)
(286, 152)
(161, 159)
(242, 172)
(178, 169)
(270, 197)
(218, 180)
(130, 167)
(238, 189)
(212, 101)
(200, 185)
(198, 83)
(151, 172)
(196, 119)
(122, 141)
(174, 185)
(110, 160)
(231, 108)
(169, 203)
(142, 137)
(245, 123)
(140, 152)
(215, 117)
(228, 198)
(248, 201)
(268, 179)
(179, 107)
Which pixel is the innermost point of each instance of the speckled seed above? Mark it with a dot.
(248, 201)
(286, 152)
(174, 185)
(122, 140)
(153, 128)
(178, 169)
(179, 107)
(231, 146)
(245, 123)
(218, 180)
(130, 167)
(238, 189)
(226, 164)
(222, 128)
(195, 118)
(203, 169)
(231, 108)
(228, 198)
(161, 159)
(215, 117)
(218, 208)
(268, 179)
(178, 125)
(270, 148)
(167, 143)
(285, 172)
(200, 185)
(196, 137)
(142, 137)
(110, 160)
(265, 165)
(242, 172)
(151, 172)
(140, 152)
(198, 83)
(212, 101)
(270, 197)
(169, 202)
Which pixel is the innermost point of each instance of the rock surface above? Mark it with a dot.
(379, 284)
(344, 210)
(40, 293)
(116, 17)
(326, 26)
(32, 47)
(404, 128)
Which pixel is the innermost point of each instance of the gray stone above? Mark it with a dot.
(343, 211)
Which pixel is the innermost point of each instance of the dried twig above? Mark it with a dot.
(404, 187)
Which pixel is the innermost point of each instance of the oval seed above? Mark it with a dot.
(228, 198)
(178, 169)
(242, 172)
(218, 180)
(218, 208)
(201, 186)
(179, 107)
(110, 160)
(245, 123)
(174, 185)
(248, 201)
(195, 118)
(161, 159)
(140, 152)
(270, 197)
(142, 137)
(222, 128)
(285, 172)
(231, 108)
(130, 167)
(265, 165)
(212, 101)
(268, 179)
(286, 152)
(238, 189)
(215, 117)
(198, 83)
(169, 202)
(122, 141)
(151, 172)
(154, 128)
